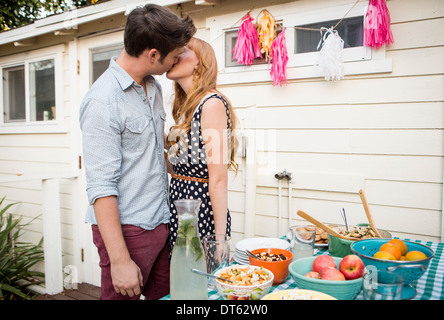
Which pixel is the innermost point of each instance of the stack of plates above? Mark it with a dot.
(241, 257)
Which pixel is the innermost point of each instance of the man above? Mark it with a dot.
(122, 121)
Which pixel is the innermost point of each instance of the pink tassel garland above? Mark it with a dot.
(377, 24)
(279, 60)
(247, 44)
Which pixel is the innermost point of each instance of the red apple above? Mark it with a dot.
(352, 267)
(321, 262)
(312, 274)
(330, 273)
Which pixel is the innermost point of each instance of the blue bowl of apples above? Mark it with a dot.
(338, 277)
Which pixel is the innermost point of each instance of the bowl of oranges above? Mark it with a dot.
(408, 259)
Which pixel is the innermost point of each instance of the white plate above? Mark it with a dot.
(257, 243)
(298, 294)
(241, 259)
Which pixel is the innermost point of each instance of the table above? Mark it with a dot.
(429, 287)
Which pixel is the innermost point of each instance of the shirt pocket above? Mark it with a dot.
(137, 133)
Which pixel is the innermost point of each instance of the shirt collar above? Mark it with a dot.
(123, 77)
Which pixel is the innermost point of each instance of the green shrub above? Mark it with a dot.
(17, 258)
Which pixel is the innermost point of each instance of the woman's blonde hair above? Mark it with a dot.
(204, 80)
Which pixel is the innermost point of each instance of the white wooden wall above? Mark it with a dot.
(380, 132)
(40, 154)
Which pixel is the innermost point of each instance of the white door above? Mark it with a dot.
(93, 58)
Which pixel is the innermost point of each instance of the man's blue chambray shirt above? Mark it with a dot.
(123, 147)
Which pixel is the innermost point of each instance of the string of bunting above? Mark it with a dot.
(256, 41)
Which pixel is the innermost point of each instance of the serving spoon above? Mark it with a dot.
(322, 226)
(210, 275)
(368, 213)
(344, 217)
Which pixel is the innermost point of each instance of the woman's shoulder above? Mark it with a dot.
(214, 108)
(213, 98)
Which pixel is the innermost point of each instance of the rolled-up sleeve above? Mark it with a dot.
(102, 154)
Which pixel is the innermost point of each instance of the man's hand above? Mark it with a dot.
(127, 278)
(125, 274)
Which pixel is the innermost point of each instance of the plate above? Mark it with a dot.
(257, 243)
(297, 294)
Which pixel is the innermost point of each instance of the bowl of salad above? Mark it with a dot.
(248, 282)
(338, 247)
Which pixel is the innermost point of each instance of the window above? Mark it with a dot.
(13, 97)
(351, 31)
(230, 43)
(100, 60)
(42, 90)
(302, 45)
(29, 92)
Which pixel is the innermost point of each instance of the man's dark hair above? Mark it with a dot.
(156, 27)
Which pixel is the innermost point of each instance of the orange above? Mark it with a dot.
(415, 255)
(400, 244)
(384, 255)
(391, 248)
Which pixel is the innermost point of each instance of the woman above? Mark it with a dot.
(201, 143)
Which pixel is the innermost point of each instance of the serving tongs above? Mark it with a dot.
(251, 254)
(319, 224)
(210, 275)
(368, 213)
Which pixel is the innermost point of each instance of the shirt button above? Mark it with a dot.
(140, 129)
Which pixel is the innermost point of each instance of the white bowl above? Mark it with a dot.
(238, 292)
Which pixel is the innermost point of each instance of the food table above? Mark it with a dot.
(429, 287)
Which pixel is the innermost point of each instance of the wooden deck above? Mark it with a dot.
(84, 291)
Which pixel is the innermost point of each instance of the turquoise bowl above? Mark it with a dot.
(341, 290)
(409, 270)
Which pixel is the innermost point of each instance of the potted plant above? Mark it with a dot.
(17, 258)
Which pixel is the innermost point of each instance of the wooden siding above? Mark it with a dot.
(384, 127)
(42, 153)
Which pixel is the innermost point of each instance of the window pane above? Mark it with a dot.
(100, 61)
(351, 31)
(42, 90)
(230, 43)
(14, 94)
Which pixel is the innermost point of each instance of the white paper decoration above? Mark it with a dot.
(330, 60)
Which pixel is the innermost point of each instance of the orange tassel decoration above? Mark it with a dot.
(266, 30)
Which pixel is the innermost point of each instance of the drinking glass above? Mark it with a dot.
(302, 241)
(217, 253)
(382, 285)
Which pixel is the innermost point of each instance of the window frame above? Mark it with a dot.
(357, 60)
(28, 126)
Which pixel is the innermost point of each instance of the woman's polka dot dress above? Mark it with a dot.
(192, 163)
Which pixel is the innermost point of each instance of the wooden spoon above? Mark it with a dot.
(322, 226)
(368, 213)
